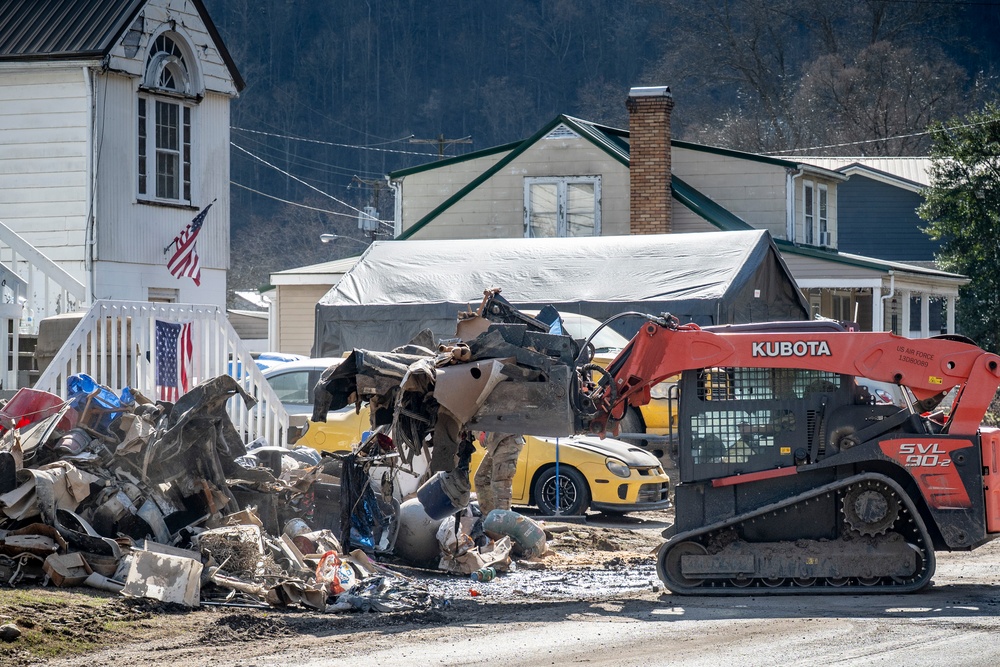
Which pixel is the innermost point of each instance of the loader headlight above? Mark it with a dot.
(618, 468)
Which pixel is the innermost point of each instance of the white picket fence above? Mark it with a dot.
(115, 343)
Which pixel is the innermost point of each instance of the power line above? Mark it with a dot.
(872, 141)
(441, 143)
(292, 203)
(299, 180)
(330, 143)
(305, 162)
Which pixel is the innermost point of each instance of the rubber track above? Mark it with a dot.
(909, 524)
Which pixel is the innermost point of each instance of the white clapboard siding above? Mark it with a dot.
(43, 165)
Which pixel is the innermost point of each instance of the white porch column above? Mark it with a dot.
(925, 315)
(904, 312)
(951, 314)
(878, 312)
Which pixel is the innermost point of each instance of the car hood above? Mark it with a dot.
(629, 454)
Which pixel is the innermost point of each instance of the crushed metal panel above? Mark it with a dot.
(67, 569)
(164, 577)
(529, 408)
(463, 388)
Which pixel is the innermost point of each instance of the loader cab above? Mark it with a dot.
(742, 420)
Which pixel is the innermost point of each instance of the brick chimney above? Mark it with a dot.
(649, 149)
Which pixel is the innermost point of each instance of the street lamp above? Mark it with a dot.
(326, 238)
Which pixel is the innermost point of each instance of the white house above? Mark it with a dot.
(114, 135)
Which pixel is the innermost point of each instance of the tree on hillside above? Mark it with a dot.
(880, 100)
(787, 74)
(962, 208)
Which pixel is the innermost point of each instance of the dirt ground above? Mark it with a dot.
(81, 626)
(594, 599)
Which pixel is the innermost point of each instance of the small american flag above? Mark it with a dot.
(174, 359)
(184, 261)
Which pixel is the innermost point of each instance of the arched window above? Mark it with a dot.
(165, 104)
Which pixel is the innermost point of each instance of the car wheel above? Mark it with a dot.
(574, 494)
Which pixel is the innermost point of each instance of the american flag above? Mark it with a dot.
(185, 260)
(174, 359)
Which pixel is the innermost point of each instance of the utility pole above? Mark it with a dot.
(442, 142)
(376, 185)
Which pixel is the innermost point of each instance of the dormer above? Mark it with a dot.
(812, 218)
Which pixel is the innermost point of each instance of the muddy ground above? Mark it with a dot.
(594, 600)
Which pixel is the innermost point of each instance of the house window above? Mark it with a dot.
(815, 216)
(562, 206)
(164, 124)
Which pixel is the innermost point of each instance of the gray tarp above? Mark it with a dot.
(398, 288)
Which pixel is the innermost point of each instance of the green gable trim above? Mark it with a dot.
(400, 173)
(702, 148)
(585, 130)
(706, 208)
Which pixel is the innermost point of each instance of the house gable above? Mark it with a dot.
(53, 30)
(501, 184)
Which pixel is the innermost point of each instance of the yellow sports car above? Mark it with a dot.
(604, 475)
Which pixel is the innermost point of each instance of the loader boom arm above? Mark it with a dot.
(926, 366)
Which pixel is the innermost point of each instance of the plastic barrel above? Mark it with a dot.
(436, 503)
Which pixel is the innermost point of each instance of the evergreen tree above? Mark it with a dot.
(962, 207)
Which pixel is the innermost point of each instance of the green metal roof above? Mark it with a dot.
(715, 214)
(474, 155)
(69, 29)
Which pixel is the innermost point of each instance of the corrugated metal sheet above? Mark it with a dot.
(54, 28)
(915, 169)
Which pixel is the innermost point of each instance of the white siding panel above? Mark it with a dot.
(129, 231)
(52, 167)
(19, 106)
(43, 168)
(133, 282)
(26, 153)
(56, 134)
(296, 315)
(30, 193)
(38, 82)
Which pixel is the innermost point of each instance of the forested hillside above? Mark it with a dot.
(340, 93)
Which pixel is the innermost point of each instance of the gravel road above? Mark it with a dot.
(596, 601)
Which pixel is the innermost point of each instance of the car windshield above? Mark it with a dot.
(606, 341)
(579, 327)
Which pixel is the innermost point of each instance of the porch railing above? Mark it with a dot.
(45, 289)
(115, 343)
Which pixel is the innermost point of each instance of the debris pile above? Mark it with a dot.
(166, 501)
